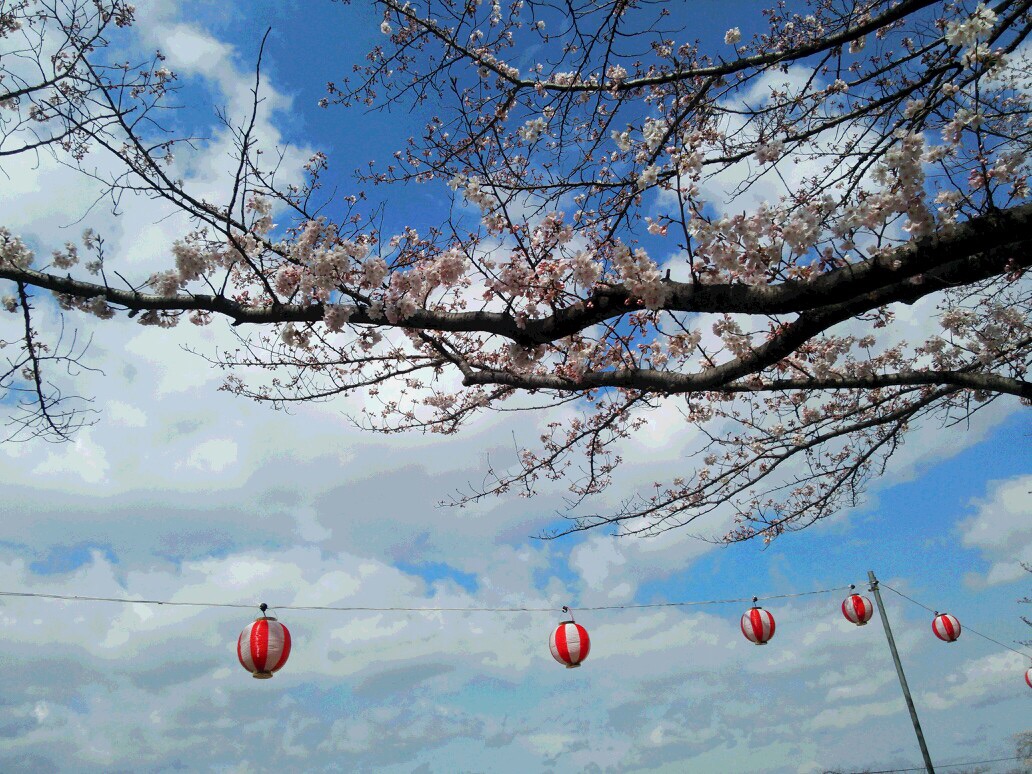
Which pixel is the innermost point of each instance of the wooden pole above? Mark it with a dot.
(899, 671)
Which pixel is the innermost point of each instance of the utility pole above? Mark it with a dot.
(899, 671)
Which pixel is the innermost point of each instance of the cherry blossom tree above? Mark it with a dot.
(639, 219)
(57, 97)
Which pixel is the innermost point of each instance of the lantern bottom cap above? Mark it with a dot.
(261, 675)
(761, 643)
(572, 666)
(861, 623)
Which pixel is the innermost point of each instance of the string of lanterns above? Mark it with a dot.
(263, 646)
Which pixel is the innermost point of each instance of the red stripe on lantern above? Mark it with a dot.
(260, 644)
(561, 645)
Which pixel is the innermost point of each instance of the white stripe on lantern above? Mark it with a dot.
(747, 627)
(573, 643)
(765, 618)
(244, 648)
(275, 646)
(554, 649)
(849, 610)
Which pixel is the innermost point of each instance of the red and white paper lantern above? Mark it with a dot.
(857, 609)
(263, 647)
(569, 644)
(1028, 677)
(758, 625)
(946, 627)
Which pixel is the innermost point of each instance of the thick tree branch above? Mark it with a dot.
(972, 251)
(895, 13)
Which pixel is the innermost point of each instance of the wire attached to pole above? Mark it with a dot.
(967, 628)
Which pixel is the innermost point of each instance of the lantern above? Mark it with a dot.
(263, 646)
(1028, 677)
(757, 624)
(946, 627)
(857, 609)
(569, 643)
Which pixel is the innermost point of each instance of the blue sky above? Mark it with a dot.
(184, 492)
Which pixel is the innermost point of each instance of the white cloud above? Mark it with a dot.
(123, 415)
(854, 716)
(595, 558)
(212, 456)
(41, 711)
(975, 683)
(1002, 531)
(82, 458)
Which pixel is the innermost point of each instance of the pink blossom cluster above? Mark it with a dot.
(409, 290)
(13, 251)
(741, 247)
(902, 177)
(971, 30)
(640, 274)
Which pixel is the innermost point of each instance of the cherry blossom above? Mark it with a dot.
(728, 232)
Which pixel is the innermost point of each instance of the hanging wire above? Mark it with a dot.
(965, 626)
(66, 598)
(938, 765)
(363, 609)
(885, 585)
(525, 609)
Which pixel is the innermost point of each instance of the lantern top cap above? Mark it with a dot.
(264, 616)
